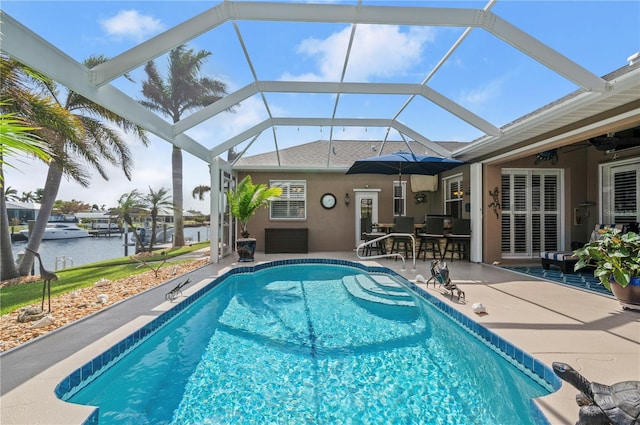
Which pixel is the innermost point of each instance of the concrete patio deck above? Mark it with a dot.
(551, 322)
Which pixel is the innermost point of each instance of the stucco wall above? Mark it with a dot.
(580, 166)
(334, 229)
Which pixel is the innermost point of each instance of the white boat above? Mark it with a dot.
(58, 230)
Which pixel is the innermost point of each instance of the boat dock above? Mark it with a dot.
(105, 232)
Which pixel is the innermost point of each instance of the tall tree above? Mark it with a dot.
(182, 91)
(86, 138)
(156, 202)
(19, 138)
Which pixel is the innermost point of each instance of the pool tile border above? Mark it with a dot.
(528, 364)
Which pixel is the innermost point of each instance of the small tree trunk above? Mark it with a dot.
(8, 269)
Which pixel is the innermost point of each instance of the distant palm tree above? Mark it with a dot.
(28, 197)
(129, 205)
(79, 133)
(39, 194)
(182, 91)
(11, 194)
(156, 201)
(199, 192)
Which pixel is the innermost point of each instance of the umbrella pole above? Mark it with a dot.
(400, 181)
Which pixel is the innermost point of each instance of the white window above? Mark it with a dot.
(453, 195)
(531, 212)
(620, 192)
(292, 204)
(399, 198)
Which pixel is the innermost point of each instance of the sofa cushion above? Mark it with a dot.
(558, 256)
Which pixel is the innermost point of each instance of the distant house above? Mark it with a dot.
(101, 220)
(22, 211)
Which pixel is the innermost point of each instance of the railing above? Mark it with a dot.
(390, 255)
(63, 260)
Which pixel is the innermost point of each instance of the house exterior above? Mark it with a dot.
(21, 212)
(551, 189)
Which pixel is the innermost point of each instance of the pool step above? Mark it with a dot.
(366, 289)
(389, 283)
(386, 288)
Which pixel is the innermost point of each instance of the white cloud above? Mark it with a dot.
(482, 94)
(130, 24)
(377, 51)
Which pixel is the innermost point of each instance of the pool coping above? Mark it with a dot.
(127, 337)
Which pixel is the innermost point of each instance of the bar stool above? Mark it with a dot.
(368, 235)
(403, 225)
(459, 238)
(430, 236)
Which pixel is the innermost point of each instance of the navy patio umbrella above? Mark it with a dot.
(403, 163)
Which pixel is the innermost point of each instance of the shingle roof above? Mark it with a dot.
(342, 153)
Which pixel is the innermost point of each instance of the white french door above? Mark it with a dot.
(531, 212)
(620, 191)
(366, 205)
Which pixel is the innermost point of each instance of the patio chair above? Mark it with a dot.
(566, 260)
(440, 274)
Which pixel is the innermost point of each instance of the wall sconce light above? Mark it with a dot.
(347, 199)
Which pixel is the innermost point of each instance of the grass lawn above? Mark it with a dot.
(16, 296)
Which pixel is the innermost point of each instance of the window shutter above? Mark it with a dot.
(530, 212)
(292, 203)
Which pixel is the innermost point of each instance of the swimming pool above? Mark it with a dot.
(301, 341)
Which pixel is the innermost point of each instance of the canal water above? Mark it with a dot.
(65, 253)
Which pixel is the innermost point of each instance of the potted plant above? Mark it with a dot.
(616, 258)
(244, 201)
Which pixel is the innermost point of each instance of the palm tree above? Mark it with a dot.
(246, 198)
(79, 133)
(199, 192)
(182, 91)
(156, 201)
(28, 197)
(11, 194)
(130, 204)
(38, 196)
(18, 138)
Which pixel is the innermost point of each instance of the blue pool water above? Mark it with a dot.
(308, 343)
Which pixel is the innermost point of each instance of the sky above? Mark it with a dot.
(484, 74)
